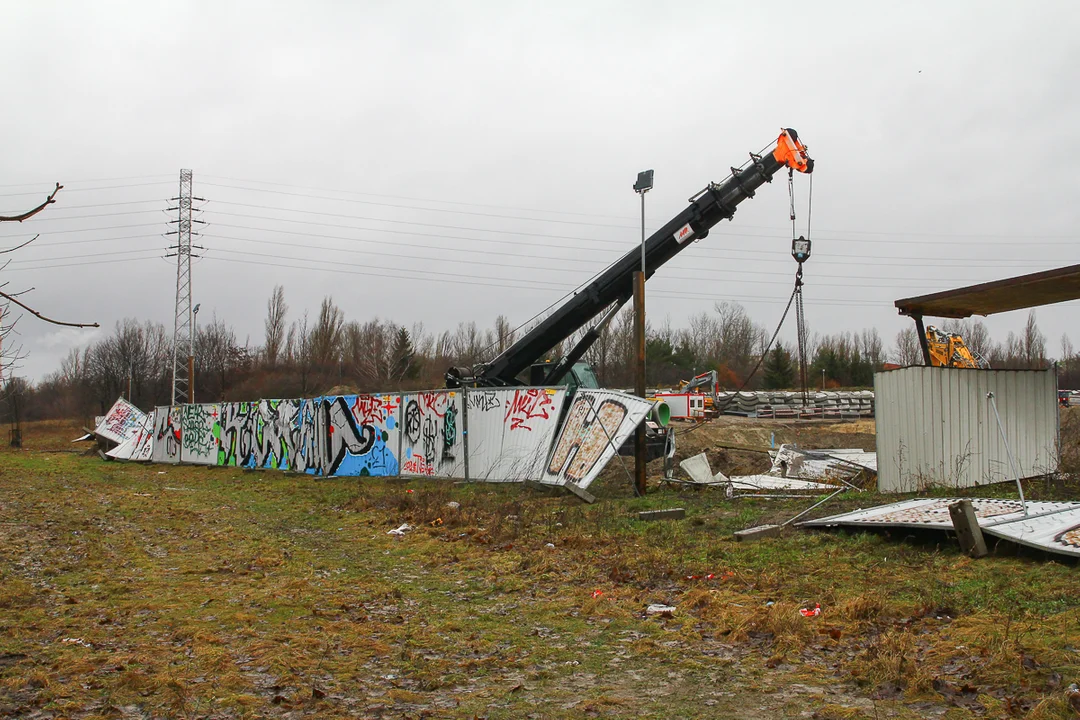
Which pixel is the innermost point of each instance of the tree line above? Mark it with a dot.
(328, 353)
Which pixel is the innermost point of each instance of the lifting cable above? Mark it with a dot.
(801, 254)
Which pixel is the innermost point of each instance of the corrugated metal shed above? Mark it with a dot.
(935, 426)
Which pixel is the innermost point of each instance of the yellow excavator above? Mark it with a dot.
(949, 350)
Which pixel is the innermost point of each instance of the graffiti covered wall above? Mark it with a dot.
(166, 437)
(491, 435)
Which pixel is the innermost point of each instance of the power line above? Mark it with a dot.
(782, 276)
(91, 189)
(714, 252)
(980, 237)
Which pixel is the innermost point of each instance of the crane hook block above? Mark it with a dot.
(791, 152)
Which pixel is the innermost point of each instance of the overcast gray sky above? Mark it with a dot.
(437, 162)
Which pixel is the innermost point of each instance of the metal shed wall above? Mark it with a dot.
(936, 426)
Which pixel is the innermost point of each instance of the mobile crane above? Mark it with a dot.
(613, 287)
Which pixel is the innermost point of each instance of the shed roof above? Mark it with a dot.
(1016, 293)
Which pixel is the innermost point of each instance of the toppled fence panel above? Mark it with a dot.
(121, 422)
(597, 424)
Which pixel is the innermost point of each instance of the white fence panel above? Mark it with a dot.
(168, 435)
(510, 431)
(432, 443)
(199, 426)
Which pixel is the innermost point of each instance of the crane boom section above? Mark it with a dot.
(615, 285)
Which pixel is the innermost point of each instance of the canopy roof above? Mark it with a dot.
(1041, 288)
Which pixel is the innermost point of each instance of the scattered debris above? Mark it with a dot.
(404, 528)
(757, 533)
(669, 514)
(597, 593)
(550, 546)
(697, 467)
(453, 505)
(811, 612)
(76, 641)
(661, 610)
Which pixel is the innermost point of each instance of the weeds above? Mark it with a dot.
(257, 595)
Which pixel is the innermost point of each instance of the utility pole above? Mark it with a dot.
(643, 185)
(183, 338)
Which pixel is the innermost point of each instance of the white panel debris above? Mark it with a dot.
(139, 446)
(772, 482)
(697, 467)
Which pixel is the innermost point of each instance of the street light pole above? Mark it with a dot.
(191, 352)
(643, 185)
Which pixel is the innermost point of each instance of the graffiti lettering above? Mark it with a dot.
(527, 405)
(483, 400)
(449, 432)
(412, 421)
(198, 430)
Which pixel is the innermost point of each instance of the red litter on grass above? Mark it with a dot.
(811, 612)
(408, 491)
(597, 593)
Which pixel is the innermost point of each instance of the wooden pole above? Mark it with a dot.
(640, 446)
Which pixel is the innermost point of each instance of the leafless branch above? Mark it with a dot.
(13, 249)
(42, 317)
(31, 213)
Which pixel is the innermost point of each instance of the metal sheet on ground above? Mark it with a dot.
(510, 431)
(772, 482)
(1058, 532)
(431, 434)
(597, 423)
(1051, 526)
(121, 422)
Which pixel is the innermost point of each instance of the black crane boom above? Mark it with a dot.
(715, 203)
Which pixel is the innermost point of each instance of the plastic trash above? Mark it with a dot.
(453, 504)
(811, 612)
(550, 546)
(662, 610)
(405, 527)
(597, 593)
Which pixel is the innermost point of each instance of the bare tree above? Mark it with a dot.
(908, 349)
(504, 333)
(9, 356)
(276, 310)
(1033, 343)
(328, 333)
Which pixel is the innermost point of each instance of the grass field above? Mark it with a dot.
(138, 591)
